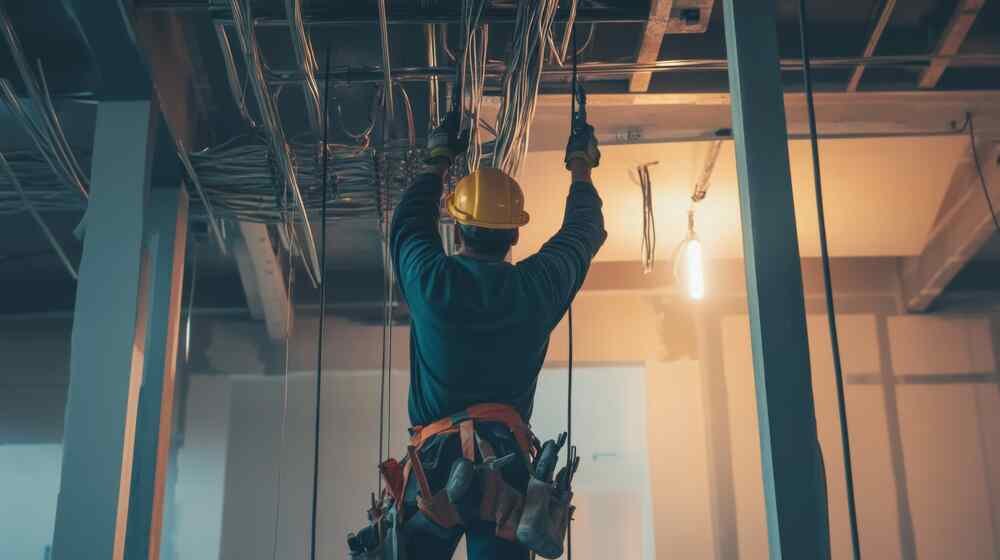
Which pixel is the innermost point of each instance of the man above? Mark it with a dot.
(480, 325)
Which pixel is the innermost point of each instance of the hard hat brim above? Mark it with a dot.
(468, 220)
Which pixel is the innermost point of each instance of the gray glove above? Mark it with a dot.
(582, 145)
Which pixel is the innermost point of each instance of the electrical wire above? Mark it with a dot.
(41, 187)
(46, 130)
(271, 124)
(570, 448)
(56, 246)
(648, 244)
(522, 78)
(383, 27)
(305, 57)
(979, 169)
(828, 289)
(322, 307)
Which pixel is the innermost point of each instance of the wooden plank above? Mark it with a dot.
(873, 39)
(958, 237)
(269, 279)
(652, 37)
(951, 40)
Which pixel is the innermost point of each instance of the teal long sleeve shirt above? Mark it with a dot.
(480, 329)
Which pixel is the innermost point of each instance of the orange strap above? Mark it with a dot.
(488, 412)
(464, 424)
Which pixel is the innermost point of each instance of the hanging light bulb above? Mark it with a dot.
(694, 269)
(689, 267)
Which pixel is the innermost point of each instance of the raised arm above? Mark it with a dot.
(414, 241)
(561, 265)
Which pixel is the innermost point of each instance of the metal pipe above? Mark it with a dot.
(434, 94)
(323, 15)
(373, 74)
(873, 39)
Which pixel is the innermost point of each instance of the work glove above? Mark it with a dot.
(447, 141)
(582, 145)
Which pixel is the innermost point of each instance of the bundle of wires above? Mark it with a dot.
(238, 178)
(521, 81)
(648, 222)
(42, 187)
(43, 126)
(472, 75)
(245, 26)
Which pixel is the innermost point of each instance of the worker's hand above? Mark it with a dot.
(447, 141)
(582, 147)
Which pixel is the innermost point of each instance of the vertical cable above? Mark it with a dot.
(570, 451)
(979, 169)
(845, 435)
(322, 299)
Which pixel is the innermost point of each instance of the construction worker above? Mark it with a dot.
(480, 327)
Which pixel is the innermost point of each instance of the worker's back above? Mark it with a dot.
(479, 328)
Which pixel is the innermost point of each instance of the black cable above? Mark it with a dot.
(979, 169)
(828, 285)
(570, 451)
(322, 301)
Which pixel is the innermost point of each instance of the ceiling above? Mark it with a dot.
(879, 202)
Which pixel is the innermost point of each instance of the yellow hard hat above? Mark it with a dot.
(488, 198)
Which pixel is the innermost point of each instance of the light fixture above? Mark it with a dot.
(689, 265)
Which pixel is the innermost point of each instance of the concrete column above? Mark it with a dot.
(796, 514)
(108, 340)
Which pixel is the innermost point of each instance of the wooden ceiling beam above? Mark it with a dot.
(652, 38)
(873, 39)
(951, 41)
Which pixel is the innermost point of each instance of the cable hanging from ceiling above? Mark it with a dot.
(43, 126)
(648, 221)
(472, 76)
(688, 259)
(521, 81)
(275, 134)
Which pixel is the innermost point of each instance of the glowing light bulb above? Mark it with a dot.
(694, 269)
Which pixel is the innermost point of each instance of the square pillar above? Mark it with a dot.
(108, 340)
(793, 495)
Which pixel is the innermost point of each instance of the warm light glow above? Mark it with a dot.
(693, 269)
(187, 338)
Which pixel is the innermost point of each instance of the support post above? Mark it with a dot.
(791, 467)
(166, 238)
(108, 340)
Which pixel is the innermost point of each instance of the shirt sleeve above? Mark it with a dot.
(560, 266)
(414, 240)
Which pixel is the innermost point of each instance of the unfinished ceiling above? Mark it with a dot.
(878, 201)
(892, 100)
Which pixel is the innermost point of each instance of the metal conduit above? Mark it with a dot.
(373, 74)
(271, 123)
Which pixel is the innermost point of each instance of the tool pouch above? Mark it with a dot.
(547, 511)
(501, 504)
(391, 541)
(436, 507)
